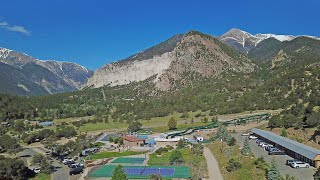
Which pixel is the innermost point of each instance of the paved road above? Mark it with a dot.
(212, 164)
(300, 174)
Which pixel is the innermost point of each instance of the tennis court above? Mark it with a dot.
(126, 160)
(143, 172)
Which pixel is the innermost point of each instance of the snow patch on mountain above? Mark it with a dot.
(244, 41)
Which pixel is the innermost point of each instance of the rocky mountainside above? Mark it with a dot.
(180, 58)
(299, 51)
(202, 73)
(36, 77)
(244, 41)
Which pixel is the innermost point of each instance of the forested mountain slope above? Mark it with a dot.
(286, 77)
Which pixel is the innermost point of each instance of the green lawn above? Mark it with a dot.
(102, 126)
(42, 176)
(189, 160)
(163, 160)
(102, 155)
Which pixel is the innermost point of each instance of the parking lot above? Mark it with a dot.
(301, 174)
(61, 171)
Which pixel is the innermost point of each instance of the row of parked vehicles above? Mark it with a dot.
(270, 148)
(294, 163)
(75, 168)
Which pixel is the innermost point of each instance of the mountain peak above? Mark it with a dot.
(237, 31)
(244, 41)
(178, 59)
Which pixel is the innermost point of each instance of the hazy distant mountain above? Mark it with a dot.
(176, 59)
(36, 77)
(244, 41)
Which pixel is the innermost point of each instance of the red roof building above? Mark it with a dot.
(130, 141)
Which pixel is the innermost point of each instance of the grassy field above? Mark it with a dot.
(102, 155)
(158, 124)
(248, 169)
(163, 160)
(42, 176)
(189, 160)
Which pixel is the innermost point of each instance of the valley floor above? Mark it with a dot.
(158, 124)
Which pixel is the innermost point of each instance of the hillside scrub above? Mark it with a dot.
(235, 166)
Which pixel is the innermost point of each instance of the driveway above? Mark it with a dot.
(300, 174)
(212, 164)
(60, 171)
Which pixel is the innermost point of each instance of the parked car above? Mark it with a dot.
(262, 143)
(258, 141)
(300, 165)
(290, 161)
(245, 134)
(36, 170)
(267, 148)
(253, 137)
(272, 149)
(76, 170)
(68, 161)
(276, 151)
(75, 165)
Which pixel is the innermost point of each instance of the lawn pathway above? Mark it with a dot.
(212, 164)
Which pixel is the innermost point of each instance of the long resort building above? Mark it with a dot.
(292, 148)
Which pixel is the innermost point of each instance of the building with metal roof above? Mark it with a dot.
(292, 148)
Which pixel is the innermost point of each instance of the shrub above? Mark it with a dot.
(176, 157)
(232, 141)
(233, 165)
(261, 163)
(284, 133)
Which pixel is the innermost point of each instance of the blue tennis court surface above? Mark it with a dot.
(146, 171)
(143, 172)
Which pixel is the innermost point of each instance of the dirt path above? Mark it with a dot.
(212, 164)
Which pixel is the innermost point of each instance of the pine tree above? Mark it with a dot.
(172, 123)
(283, 133)
(246, 150)
(273, 171)
(118, 174)
(222, 133)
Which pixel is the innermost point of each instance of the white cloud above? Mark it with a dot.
(14, 28)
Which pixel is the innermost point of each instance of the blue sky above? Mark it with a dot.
(93, 33)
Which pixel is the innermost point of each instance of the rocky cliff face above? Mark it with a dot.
(191, 54)
(49, 76)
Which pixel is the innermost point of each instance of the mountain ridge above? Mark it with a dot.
(244, 41)
(52, 76)
(192, 52)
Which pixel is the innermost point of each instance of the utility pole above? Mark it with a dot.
(221, 145)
